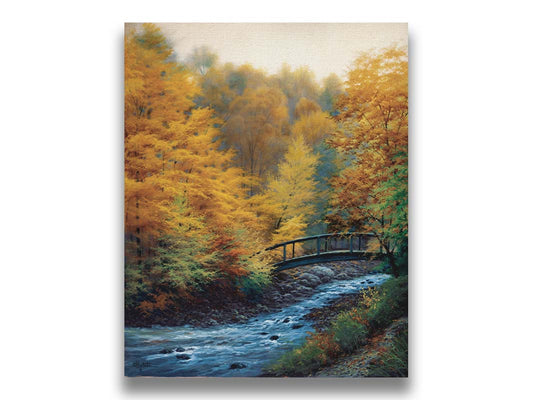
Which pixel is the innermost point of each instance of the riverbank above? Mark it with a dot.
(372, 359)
(232, 349)
(361, 334)
(287, 288)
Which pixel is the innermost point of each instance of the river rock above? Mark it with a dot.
(262, 308)
(263, 333)
(165, 351)
(302, 291)
(275, 296)
(296, 326)
(286, 320)
(288, 298)
(274, 337)
(237, 366)
(183, 356)
(352, 272)
(324, 273)
(342, 276)
(310, 280)
(179, 350)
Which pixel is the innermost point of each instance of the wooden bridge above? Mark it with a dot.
(327, 247)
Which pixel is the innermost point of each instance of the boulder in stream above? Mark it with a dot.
(237, 366)
(324, 273)
(310, 280)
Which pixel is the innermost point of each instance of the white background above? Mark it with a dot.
(61, 217)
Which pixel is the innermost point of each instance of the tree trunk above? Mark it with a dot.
(393, 264)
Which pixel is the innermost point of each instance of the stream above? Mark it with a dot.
(237, 349)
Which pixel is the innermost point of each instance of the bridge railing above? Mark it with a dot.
(327, 243)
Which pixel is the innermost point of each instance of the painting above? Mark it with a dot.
(266, 200)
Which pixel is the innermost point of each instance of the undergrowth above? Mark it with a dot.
(348, 332)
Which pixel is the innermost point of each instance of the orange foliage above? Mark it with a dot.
(373, 130)
(182, 193)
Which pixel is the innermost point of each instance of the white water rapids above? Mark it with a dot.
(237, 349)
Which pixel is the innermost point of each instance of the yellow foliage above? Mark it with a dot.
(313, 126)
(171, 150)
(289, 230)
(305, 107)
(291, 193)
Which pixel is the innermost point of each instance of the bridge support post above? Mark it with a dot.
(292, 249)
(351, 244)
(284, 252)
(317, 245)
(360, 241)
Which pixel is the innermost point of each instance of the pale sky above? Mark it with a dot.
(324, 48)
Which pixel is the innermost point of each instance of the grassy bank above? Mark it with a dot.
(393, 362)
(350, 331)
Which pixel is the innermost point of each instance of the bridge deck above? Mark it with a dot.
(327, 247)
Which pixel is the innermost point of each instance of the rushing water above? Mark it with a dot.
(212, 351)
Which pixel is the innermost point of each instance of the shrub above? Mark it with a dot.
(394, 362)
(349, 333)
(392, 305)
(253, 284)
(382, 268)
(318, 351)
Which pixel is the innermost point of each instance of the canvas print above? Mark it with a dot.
(266, 222)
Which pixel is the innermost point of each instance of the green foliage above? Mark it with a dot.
(382, 268)
(349, 333)
(394, 362)
(299, 362)
(327, 167)
(393, 208)
(182, 262)
(252, 284)
(392, 304)
(134, 285)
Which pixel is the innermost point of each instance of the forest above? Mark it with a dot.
(222, 161)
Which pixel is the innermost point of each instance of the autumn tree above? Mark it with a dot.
(187, 219)
(305, 107)
(292, 191)
(372, 136)
(332, 88)
(393, 209)
(221, 84)
(156, 95)
(202, 59)
(311, 122)
(255, 128)
(296, 84)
